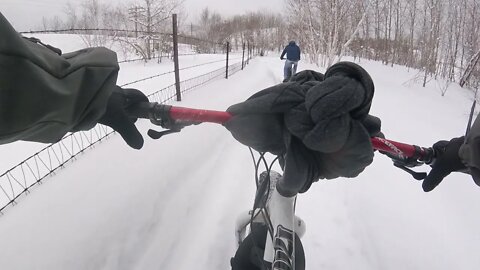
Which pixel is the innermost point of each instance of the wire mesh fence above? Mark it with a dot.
(202, 79)
(21, 178)
(234, 68)
(168, 93)
(164, 95)
(147, 78)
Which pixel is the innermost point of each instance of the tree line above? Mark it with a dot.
(149, 27)
(266, 31)
(439, 38)
(143, 27)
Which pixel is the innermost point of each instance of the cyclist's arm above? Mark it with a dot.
(44, 95)
(470, 151)
(283, 53)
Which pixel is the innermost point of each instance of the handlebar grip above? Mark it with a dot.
(156, 112)
(141, 110)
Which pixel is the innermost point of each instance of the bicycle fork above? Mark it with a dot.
(280, 245)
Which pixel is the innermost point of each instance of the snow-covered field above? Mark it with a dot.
(173, 204)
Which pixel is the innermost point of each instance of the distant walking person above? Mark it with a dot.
(293, 56)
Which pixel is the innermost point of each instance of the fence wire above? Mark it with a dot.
(200, 44)
(131, 60)
(102, 31)
(147, 78)
(168, 93)
(232, 69)
(172, 71)
(184, 39)
(164, 95)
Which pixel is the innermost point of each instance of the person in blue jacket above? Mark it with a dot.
(293, 56)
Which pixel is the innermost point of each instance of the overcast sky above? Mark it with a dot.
(27, 14)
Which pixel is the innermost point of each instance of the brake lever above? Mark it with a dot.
(414, 174)
(158, 134)
(159, 115)
(405, 163)
(172, 127)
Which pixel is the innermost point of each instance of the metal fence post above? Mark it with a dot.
(243, 55)
(226, 68)
(248, 52)
(175, 57)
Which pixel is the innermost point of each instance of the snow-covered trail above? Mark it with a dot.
(173, 204)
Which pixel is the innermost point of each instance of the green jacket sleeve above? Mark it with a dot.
(470, 151)
(44, 95)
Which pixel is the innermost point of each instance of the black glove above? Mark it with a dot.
(320, 122)
(447, 161)
(116, 117)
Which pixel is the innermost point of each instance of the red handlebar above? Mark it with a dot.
(198, 115)
(401, 150)
(398, 148)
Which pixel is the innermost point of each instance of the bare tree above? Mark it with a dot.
(328, 26)
(71, 13)
(357, 29)
(265, 30)
(152, 17)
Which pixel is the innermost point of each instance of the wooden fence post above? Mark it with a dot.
(175, 57)
(248, 52)
(226, 68)
(243, 55)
